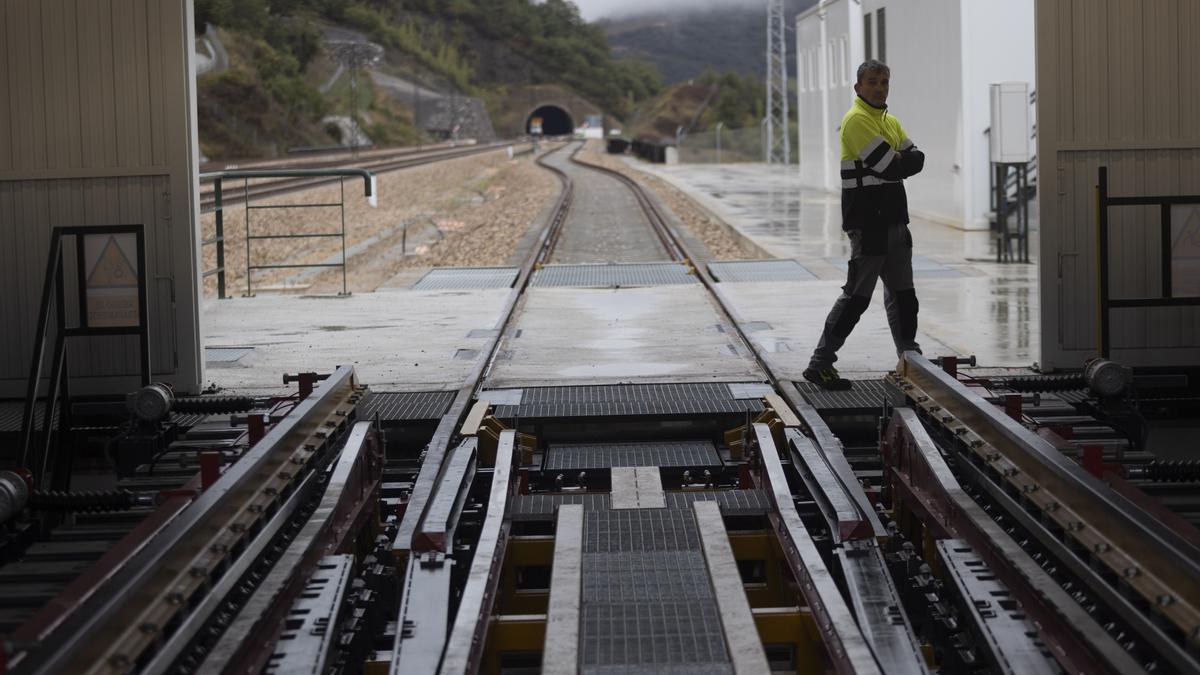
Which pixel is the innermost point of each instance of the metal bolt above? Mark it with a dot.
(1101, 548)
(218, 548)
(1164, 600)
(118, 661)
(1131, 572)
(198, 571)
(175, 598)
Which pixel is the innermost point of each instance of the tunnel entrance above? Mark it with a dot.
(555, 121)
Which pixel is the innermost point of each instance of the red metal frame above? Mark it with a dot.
(923, 488)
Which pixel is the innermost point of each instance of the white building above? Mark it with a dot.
(944, 55)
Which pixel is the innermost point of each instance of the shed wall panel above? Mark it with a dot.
(1115, 90)
(97, 126)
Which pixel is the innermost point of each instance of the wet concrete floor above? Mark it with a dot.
(406, 340)
(969, 303)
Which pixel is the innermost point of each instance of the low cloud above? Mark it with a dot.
(607, 9)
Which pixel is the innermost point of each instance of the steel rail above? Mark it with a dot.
(448, 425)
(561, 210)
(143, 602)
(195, 622)
(848, 649)
(417, 648)
(654, 216)
(891, 643)
(464, 648)
(237, 195)
(418, 645)
(1089, 574)
(924, 483)
(1148, 557)
(351, 493)
(325, 158)
(1002, 633)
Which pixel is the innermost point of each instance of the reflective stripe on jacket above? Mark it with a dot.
(876, 156)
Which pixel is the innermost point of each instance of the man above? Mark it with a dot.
(876, 157)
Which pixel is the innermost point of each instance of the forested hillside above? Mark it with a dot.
(270, 97)
(685, 42)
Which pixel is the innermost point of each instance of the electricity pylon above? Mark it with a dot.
(779, 145)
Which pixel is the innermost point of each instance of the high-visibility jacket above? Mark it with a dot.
(876, 157)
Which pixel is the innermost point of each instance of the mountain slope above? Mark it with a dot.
(684, 43)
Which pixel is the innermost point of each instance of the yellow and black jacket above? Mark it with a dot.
(876, 157)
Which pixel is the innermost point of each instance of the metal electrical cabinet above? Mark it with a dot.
(1117, 88)
(97, 127)
(1008, 137)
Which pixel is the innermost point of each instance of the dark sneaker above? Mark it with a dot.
(827, 378)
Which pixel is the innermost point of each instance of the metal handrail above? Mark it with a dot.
(369, 191)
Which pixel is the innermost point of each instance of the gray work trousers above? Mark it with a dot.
(890, 260)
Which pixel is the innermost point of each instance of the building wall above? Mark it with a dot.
(998, 46)
(97, 128)
(829, 43)
(811, 99)
(925, 53)
(1116, 88)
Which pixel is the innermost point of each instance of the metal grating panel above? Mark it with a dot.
(652, 634)
(645, 577)
(627, 399)
(740, 502)
(545, 507)
(605, 276)
(750, 389)
(608, 455)
(225, 354)
(639, 530)
(394, 406)
(759, 270)
(923, 267)
(864, 395)
(733, 502)
(466, 278)
(647, 602)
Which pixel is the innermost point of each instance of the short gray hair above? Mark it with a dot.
(872, 66)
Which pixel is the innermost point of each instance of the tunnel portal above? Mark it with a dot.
(555, 121)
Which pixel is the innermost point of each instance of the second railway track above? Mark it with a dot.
(378, 162)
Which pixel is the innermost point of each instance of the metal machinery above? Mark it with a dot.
(928, 521)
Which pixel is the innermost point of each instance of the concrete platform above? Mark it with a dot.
(969, 304)
(397, 340)
(577, 336)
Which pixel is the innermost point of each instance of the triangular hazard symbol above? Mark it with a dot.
(113, 269)
(1187, 239)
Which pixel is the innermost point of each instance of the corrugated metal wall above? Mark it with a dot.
(97, 128)
(1118, 86)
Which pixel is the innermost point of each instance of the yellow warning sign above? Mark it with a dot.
(112, 281)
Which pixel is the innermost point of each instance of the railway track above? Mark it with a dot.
(376, 162)
(407, 560)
